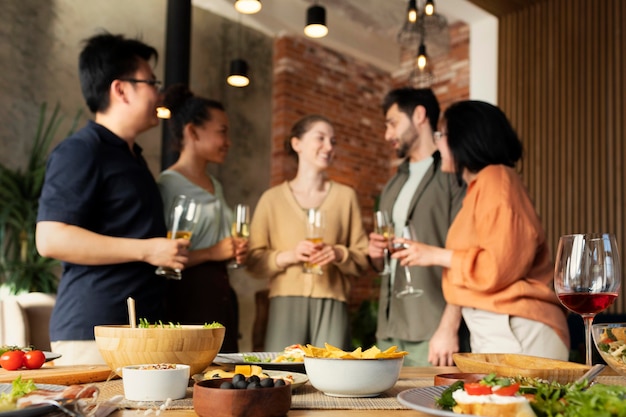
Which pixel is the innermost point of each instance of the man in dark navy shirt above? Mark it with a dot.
(100, 209)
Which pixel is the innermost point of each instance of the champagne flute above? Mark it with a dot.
(183, 217)
(315, 223)
(240, 228)
(587, 276)
(384, 226)
(403, 286)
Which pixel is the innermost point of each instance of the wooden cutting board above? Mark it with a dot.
(61, 375)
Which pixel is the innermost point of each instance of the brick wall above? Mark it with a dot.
(309, 78)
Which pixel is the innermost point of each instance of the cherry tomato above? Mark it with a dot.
(476, 388)
(34, 359)
(507, 391)
(12, 360)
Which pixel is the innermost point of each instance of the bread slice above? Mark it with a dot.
(492, 405)
(516, 409)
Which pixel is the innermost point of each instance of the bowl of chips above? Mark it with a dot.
(360, 373)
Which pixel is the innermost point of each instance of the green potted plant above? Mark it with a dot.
(22, 269)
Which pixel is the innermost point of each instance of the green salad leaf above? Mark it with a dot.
(19, 388)
(552, 399)
(446, 401)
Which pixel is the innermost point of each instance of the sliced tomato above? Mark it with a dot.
(507, 391)
(476, 388)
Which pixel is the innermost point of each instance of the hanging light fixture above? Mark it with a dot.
(424, 20)
(248, 6)
(429, 8)
(412, 11)
(316, 22)
(422, 59)
(422, 75)
(238, 75)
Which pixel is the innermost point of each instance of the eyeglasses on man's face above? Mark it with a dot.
(438, 135)
(154, 83)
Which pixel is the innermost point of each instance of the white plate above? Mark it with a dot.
(423, 399)
(36, 410)
(298, 378)
(265, 361)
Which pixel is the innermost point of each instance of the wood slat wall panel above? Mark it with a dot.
(561, 82)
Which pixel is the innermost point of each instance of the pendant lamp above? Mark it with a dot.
(316, 22)
(248, 6)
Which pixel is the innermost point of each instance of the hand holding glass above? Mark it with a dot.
(315, 222)
(587, 276)
(181, 222)
(404, 287)
(240, 227)
(384, 226)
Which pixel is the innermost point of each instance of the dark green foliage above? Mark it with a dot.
(22, 269)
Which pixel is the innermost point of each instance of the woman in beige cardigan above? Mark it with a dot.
(307, 307)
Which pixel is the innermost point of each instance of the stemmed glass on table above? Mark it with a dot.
(315, 223)
(587, 276)
(384, 226)
(405, 287)
(183, 218)
(240, 227)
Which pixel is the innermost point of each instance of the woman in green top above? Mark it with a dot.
(204, 294)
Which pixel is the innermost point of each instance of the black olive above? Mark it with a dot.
(238, 377)
(254, 378)
(267, 383)
(241, 384)
(253, 385)
(227, 385)
(279, 382)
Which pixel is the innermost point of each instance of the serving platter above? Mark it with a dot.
(512, 365)
(423, 399)
(265, 361)
(32, 411)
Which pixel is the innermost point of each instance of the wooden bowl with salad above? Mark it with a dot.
(193, 345)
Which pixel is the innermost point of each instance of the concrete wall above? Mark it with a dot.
(39, 45)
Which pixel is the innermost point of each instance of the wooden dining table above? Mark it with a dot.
(407, 373)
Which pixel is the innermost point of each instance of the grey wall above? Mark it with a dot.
(39, 45)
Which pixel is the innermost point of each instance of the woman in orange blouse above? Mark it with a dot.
(497, 264)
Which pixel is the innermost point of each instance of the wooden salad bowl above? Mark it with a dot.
(191, 345)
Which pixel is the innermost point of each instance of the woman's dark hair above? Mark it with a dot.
(408, 99)
(105, 58)
(186, 108)
(479, 134)
(300, 128)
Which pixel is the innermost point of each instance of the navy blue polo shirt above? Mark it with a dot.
(94, 181)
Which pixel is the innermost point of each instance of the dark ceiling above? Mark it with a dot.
(501, 8)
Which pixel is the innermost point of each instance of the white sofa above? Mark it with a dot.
(25, 320)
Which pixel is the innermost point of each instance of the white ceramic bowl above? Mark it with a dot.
(144, 384)
(353, 377)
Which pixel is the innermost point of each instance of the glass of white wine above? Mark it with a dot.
(315, 223)
(183, 218)
(240, 227)
(404, 286)
(384, 226)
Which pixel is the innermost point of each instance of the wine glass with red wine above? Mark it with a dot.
(587, 276)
